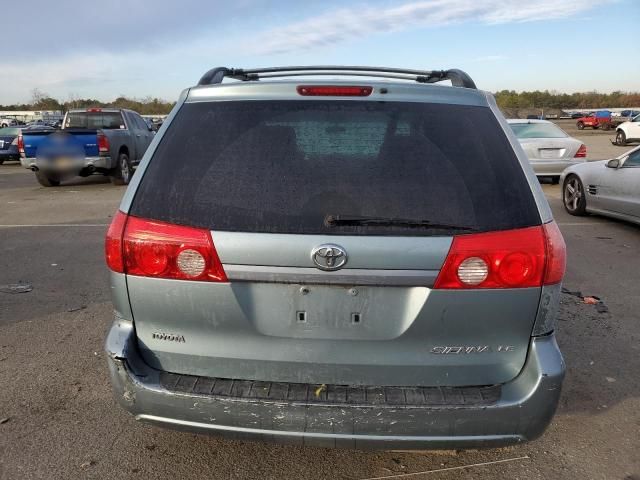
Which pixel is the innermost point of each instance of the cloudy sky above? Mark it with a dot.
(158, 47)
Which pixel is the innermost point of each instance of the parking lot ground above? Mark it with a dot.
(58, 419)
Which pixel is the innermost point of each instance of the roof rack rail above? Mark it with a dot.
(458, 77)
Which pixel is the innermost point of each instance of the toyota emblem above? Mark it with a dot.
(329, 256)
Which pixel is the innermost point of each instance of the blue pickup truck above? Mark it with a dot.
(94, 141)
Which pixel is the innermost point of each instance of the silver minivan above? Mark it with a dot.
(364, 263)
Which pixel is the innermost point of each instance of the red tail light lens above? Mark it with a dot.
(113, 242)
(333, 91)
(527, 257)
(156, 249)
(556, 263)
(103, 143)
(582, 152)
(20, 144)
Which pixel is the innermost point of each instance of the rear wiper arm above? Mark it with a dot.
(357, 221)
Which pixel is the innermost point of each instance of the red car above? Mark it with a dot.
(595, 120)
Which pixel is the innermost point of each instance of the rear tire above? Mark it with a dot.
(45, 180)
(573, 196)
(1, 162)
(122, 175)
(606, 126)
(580, 125)
(621, 138)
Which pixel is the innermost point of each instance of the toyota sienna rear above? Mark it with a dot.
(349, 263)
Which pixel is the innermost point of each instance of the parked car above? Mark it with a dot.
(9, 144)
(319, 263)
(93, 141)
(595, 120)
(576, 115)
(606, 187)
(549, 149)
(629, 114)
(628, 132)
(8, 122)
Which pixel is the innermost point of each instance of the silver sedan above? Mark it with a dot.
(549, 149)
(607, 187)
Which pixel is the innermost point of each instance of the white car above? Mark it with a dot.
(606, 187)
(549, 149)
(628, 131)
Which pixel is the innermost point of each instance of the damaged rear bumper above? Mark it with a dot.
(520, 413)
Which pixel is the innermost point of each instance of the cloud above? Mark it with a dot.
(352, 23)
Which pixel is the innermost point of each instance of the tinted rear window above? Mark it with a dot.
(537, 130)
(91, 120)
(283, 166)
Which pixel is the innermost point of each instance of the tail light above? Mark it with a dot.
(21, 144)
(527, 257)
(148, 248)
(582, 152)
(333, 91)
(103, 144)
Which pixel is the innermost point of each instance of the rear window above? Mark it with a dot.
(9, 131)
(94, 120)
(537, 130)
(285, 166)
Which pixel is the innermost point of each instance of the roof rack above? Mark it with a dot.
(458, 77)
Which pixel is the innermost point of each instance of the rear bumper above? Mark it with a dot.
(95, 162)
(522, 411)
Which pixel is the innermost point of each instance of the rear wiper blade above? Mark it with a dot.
(357, 220)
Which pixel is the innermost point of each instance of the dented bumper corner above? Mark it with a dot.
(523, 411)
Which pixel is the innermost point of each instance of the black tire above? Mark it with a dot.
(123, 171)
(621, 138)
(45, 180)
(1, 162)
(574, 196)
(606, 126)
(580, 125)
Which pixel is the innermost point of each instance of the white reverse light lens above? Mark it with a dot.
(473, 271)
(191, 263)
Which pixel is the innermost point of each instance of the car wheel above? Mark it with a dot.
(580, 125)
(621, 138)
(1, 162)
(122, 175)
(606, 126)
(45, 180)
(573, 196)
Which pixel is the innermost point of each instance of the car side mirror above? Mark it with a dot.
(613, 163)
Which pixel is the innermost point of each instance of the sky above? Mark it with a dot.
(140, 48)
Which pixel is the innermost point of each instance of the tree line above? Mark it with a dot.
(578, 100)
(505, 99)
(43, 101)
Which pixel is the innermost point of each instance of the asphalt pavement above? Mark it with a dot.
(58, 419)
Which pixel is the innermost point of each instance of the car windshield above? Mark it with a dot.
(537, 130)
